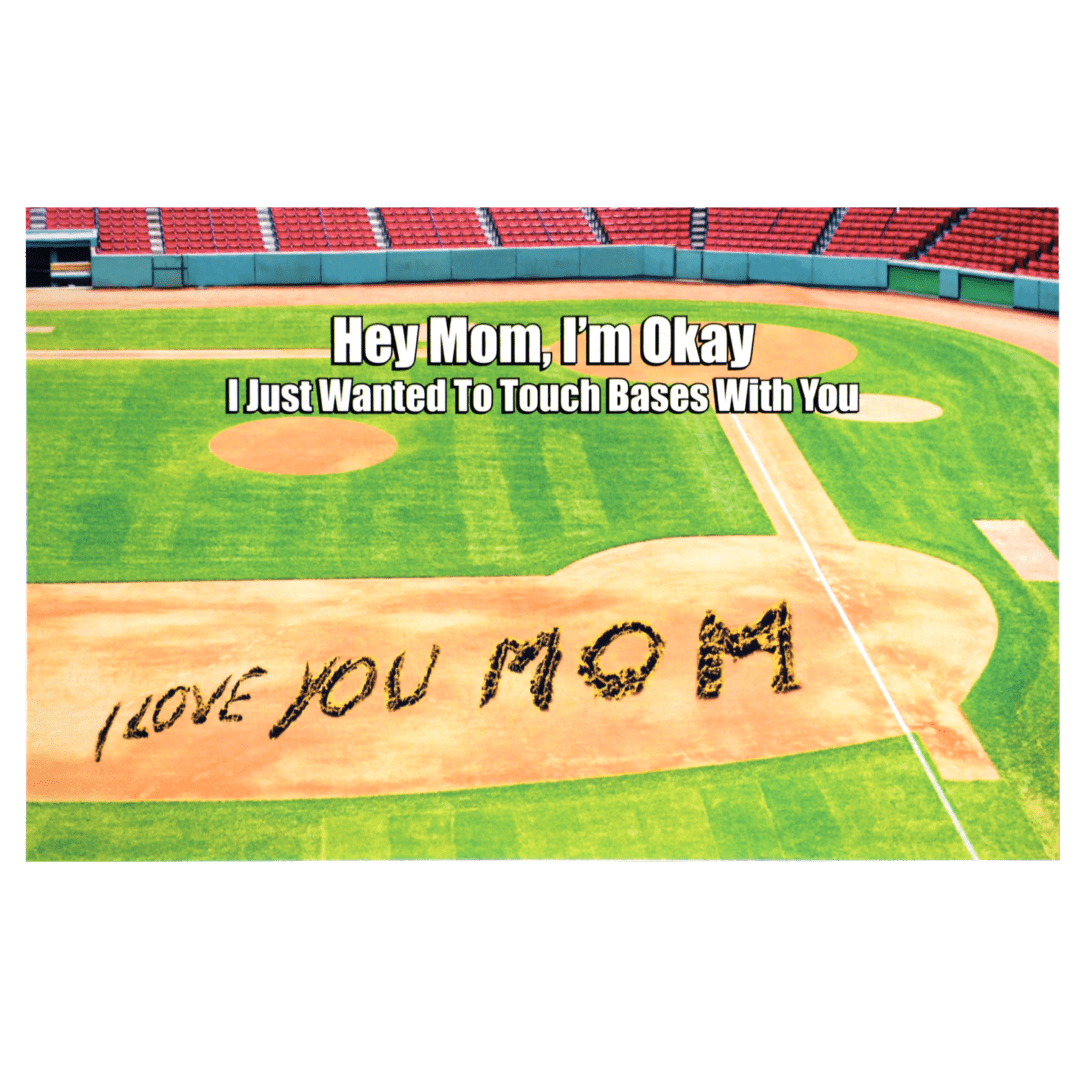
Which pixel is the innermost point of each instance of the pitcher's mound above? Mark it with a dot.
(303, 445)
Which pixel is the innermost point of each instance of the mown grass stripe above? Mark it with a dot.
(860, 802)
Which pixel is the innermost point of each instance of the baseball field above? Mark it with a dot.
(356, 615)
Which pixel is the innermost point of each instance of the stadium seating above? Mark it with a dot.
(1021, 240)
(889, 233)
(186, 230)
(998, 239)
(236, 228)
(300, 228)
(123, 230)
(1044, 265)
(542, 226)
(770, 228)
(323, 228)
(66, 217)
(433, 227)
(646, 225)
(348, 228)
(458, 227)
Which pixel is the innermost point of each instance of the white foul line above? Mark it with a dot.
(859, 645)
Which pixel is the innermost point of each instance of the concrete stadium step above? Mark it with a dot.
(597, 226)
(268, 228)
(153, 225)
(699, 226)
(942, 233)
(378, 227)
(822, 242)
(487, 223)
(38, 218)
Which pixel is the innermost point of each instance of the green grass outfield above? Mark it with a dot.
(121, 487)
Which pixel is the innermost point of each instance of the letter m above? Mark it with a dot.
(447, 339)
(771, 633)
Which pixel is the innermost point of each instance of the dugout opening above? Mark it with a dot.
(70, 266)
(47, 266)
(37, 267)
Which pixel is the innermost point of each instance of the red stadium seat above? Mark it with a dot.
(433, 227)
(779, 229)
(646, 225)
(1000, 239)
(123, 230)
(543, 226)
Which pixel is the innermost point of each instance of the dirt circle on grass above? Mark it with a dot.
(891, 409)
(302, 445)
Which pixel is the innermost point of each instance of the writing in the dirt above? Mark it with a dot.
(772, 633)
(179, 696)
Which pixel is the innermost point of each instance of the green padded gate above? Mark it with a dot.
(908, 279)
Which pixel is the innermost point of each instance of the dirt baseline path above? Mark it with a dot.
(1037, 331)
(927, 657)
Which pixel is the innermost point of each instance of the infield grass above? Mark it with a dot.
(123, 486)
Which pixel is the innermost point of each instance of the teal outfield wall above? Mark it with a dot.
(121, 271)
(600, 261)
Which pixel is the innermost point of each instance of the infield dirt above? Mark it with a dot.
(891, 409)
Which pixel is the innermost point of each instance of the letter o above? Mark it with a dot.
(481, 398)
(163, 725)
(826, 398)
(527, 397)
(483, 344)
(656, 340)
(328, 706)
(619, 684)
